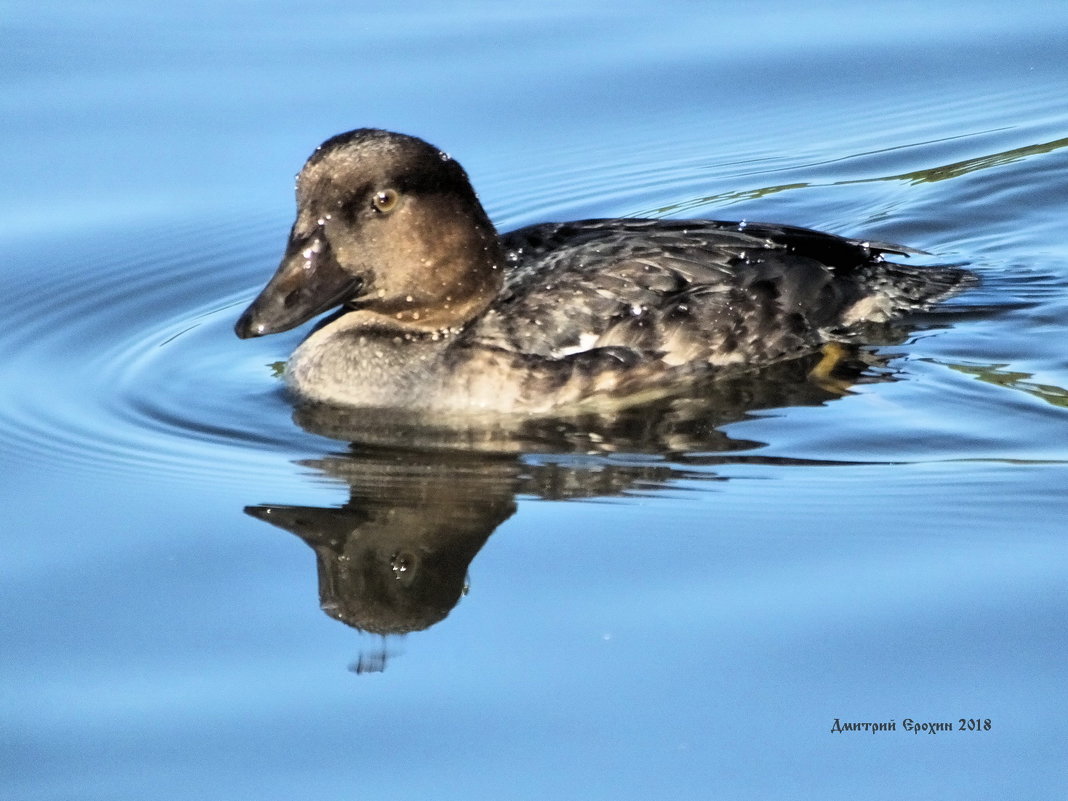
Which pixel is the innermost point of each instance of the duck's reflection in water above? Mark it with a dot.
(394, 558)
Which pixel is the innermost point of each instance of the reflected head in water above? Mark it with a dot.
(394, 558)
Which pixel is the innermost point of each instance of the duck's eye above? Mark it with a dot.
(385, 201)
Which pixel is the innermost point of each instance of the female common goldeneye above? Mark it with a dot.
(441, 313)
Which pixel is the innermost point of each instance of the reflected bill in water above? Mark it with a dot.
(395, 558)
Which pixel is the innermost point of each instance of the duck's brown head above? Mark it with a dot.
(387, 223)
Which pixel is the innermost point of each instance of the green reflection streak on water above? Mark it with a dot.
(928, 175)
(974, 165)
(1011, 379)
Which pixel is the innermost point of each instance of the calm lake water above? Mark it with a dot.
(202, 599)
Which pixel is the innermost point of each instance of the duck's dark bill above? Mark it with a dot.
(308, 282)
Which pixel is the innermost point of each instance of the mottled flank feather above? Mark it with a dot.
(696, 291)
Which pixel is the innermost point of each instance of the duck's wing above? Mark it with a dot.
(681, 290)
(715, 240)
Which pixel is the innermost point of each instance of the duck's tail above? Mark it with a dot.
(891, 290)
(907, 288)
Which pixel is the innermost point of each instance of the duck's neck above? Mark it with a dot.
(451, 274)
(442, 315)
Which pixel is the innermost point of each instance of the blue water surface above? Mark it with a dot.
(682, 618)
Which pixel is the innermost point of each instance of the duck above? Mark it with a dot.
(436, 312)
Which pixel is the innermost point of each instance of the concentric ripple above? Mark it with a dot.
(120, 359)
(134, 368)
